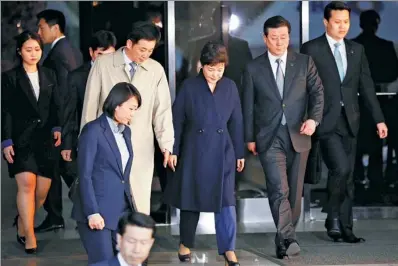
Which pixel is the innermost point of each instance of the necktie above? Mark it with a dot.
(280, 80)
(132, 69)
(339, 60)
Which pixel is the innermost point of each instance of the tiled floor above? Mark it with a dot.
(254, 243)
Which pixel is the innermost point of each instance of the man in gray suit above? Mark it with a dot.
(282, 105)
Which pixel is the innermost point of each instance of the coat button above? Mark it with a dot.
(122, 181)
(219, 131)
(283, 105)
(200, 130)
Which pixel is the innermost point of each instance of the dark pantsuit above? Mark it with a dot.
(338, 152)
(53, 203)
(100, 245)
(284, 171)
(225, 222)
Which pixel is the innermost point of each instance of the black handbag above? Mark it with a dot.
(313, 172)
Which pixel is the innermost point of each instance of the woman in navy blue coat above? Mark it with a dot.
(105, 156)
(209, 147)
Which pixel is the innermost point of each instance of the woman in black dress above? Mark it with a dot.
(31, 120)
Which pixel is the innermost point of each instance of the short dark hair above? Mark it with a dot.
(53, 17)
(276, 22)
(335, 5)
(25, 36)
(136, 219)
(103, 39)
(214, 52)
(119, 94)
(369, 18)
(144, 30)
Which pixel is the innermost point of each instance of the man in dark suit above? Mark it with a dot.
(136, 232)
(282, 105)
(62, 58)
(383, 65)
(344, 71)
(102, 42)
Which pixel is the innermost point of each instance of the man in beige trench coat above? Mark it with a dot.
(131, 63)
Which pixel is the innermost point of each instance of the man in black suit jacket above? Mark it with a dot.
(135, 238)
(62, 58)
(102, 42)
(344, 71)
(282, 105)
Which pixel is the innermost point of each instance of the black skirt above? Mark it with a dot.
(39, 156)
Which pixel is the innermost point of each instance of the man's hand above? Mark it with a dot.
(57, 136)
(240, 165)
(308, 127)
(173, 162)
(251, 146)
(382, 130)
(96, 222)
(166, 155)
(66, 155)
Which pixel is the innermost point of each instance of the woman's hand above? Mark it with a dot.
(9, 153)
(57, 136)
(240, 165)
(96, 222)
(172, 162)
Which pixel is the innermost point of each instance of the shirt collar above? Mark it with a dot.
(56, 40)
(272, 58)
(332, 41)
(116, 128)
(127, 59)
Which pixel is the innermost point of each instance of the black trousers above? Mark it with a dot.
(284, 171)
(338, 152)
(53, 203)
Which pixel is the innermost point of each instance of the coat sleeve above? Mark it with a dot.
(235, 124)
(367, 90)
(57, 106)
(6, 119)
(248, 105)
(86, 159)
(315, 92)
(70, 113)
(162, 115)
(179, 118)
(92, 95)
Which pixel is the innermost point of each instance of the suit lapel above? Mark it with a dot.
(350, 56)
(290, 72)
(327, 52)
(269, 75)
(112, 143)
(26, 87)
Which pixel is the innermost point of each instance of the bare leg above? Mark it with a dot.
(42, 186)
(26, 183)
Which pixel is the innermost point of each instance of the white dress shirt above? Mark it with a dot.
(122, 261)
(56, 40)
(342, 50)
(272, 60)
(34, 80)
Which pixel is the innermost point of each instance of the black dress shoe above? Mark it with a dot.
(292, 247)
(281, 251)
(333, 228)
(48, 225)
(351, 238)
(31, 250)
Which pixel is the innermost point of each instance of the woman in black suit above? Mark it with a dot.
(31, 119)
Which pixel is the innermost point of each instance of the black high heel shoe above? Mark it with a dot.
(230, 263)
(30, 250)
(184, 258)
(20, 239)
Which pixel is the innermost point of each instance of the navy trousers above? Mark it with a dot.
(225, 222)
(100, 245)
